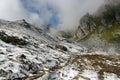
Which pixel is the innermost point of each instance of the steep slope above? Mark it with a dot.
(28, 53)
(26, 50)
(101, 29)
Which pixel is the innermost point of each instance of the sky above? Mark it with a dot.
(62, 14)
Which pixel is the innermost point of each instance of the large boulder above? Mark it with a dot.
(12, 39)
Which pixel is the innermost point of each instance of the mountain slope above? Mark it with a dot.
(100, 29)
(25, 50)
(28, 53)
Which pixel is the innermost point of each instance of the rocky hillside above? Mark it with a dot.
(100, 29)
(29, 53)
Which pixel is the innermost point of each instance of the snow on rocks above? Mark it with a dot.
(20, 61)
(47, 57)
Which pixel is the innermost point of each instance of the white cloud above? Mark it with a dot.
(14, 10)
(11, 10)
(69, 11)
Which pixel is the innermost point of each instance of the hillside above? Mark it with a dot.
(101, 29)
(29, 53)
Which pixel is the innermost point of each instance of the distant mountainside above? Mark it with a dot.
(101, 29)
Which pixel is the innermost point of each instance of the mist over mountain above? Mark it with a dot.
(59, 40)
(101, 29)
(64, 15)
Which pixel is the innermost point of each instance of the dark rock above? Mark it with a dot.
(61, 47)
(12, 39)
(31, 66)
(23, 23)
(2, 53)
(22, 56)
(87, 25)
(16, 76)
(3, 73)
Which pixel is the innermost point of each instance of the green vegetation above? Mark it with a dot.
(107, 25)
(111, 33)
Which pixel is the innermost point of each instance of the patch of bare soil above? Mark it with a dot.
(100, 63)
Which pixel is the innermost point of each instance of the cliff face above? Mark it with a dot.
(87, 25)
(102, 28)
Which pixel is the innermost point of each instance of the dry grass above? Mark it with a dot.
(101, 63)
(98, 63)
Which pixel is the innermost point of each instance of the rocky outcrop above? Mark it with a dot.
(106, 18)
(87, 25)
(102, 29)
(23, 23)
(12, 39)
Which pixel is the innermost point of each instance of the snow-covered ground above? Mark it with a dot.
(27, 53)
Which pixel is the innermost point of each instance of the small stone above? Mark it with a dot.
(22, 56)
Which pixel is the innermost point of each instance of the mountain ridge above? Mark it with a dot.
(102, 29)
